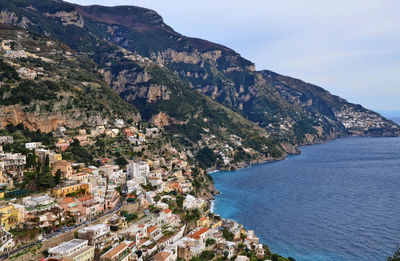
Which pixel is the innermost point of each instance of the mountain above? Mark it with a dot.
(202, 93)
(44, 85)
(277, 103)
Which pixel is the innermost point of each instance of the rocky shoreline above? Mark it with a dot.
(293, 150)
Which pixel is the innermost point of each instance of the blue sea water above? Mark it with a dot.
(336, 201)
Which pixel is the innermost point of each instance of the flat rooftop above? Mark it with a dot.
(67, 246)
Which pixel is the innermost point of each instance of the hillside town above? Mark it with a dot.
(358, 122)
(149, 208)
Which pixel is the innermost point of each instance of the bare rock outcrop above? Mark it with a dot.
(7, 17)
(68, 18)
(195, 57)
(46, 122)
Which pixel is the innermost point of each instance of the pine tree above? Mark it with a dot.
(57, 178)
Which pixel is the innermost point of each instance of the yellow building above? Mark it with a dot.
(3, 186)
(57, 157)
(203, 222)
(5, 45)
(9, 217)
(217, 225)
(86, 254)
(150, 163)
(62, 191)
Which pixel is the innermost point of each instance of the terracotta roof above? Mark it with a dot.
(142, 241)
(161, 256)
(115, 250)
(173, 185)
(68, 200)
(166, 210)
(198, 233)
(151, 229)
(203, 218)
(85, 198)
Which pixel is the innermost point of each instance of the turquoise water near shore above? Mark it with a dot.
(336, 201)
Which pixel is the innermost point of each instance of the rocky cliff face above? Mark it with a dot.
(65, 91)
(11, 18)
(133, 84)
(68, 18)
(46, 122)
(282, 105)
(350, 119)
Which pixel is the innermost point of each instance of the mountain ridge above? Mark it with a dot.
(164, 74)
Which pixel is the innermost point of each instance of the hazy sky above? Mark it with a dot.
(351, 48)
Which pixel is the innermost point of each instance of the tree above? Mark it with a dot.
(80, 153)
(57, 177)
(179, 201)
(206, 157)
(121, 161)
(396, 256)
(228, 236)
(210, 242)
(31, 160)
(46, 168)
(274, 257)
(207, 255)
(43, 177)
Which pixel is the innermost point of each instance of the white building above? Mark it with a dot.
(12, 160)
(33, 145)
(37, 201)
(191, 202)
(137, 170)
(109, 170)
(15, 54)
(242, 258)
(96, 235)
(6, 139)
(132, 185)
(6, 240)
(68, 248)
(119, 123)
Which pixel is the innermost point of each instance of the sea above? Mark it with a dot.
(336, 201)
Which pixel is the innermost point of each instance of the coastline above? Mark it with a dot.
(242, 165)
(213, 202)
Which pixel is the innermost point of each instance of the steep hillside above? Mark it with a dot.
(44, 85)
(226, 77)
(165, 100)
(355, 119)
(164, 75)
(161, 97)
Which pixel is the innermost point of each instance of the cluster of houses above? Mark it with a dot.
(23, 72)
(96, 202)
(146, 241)
(358, 122)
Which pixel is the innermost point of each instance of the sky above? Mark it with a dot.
(351, 48)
